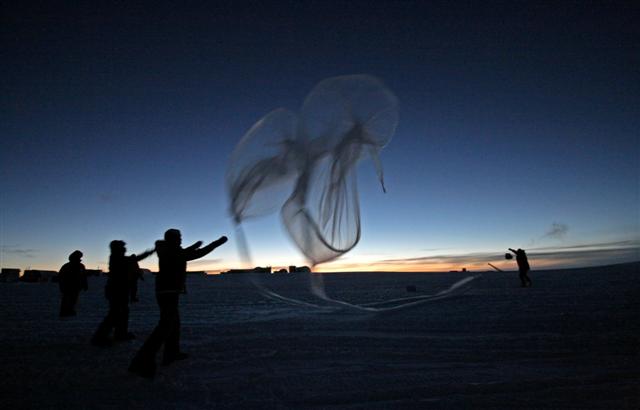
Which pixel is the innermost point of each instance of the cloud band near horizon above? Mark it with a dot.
(541, 257)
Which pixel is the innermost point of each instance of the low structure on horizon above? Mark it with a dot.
(9, 275)
(268, 269)
(299, 269)
(93, 272)
(257, 269)
(38, 276)
(197, 272)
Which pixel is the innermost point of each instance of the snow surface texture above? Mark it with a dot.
(570, 342)
(318, 289)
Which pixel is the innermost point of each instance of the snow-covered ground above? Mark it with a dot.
(571, 341)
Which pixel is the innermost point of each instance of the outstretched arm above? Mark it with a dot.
(196, 253)
(513, 250)
(193, 247)
(144, 254)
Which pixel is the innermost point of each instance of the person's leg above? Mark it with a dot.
(64, 305)
(172, 344)
(122, 321)
(68, 303)
(523, 278)
(134, 291)
(144, 361)
(101, 336)
(74, 301)
(159, 334)
(125, 321)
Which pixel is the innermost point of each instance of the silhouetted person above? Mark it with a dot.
(135, 274)
(523, 266)
(170, 282)
(117, 293)
(72, 278)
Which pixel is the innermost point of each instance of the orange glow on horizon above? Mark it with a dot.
(435, 267)
(472, 262)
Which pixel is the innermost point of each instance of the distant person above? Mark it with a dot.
(121, 268)
(523, 266)
(72, 278)
(170, 282)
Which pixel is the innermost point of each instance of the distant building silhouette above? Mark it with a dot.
(257, 269)
(299, 269)
(38, 276)
(197, 272)
(268, 269)
(94, 272)
(9, 275)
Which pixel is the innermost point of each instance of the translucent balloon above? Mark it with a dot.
(260, 176)
(305, 164)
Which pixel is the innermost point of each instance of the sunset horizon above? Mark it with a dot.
(544, 257)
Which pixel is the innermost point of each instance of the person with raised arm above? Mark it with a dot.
(523, 266)
(121, 268)
(170, 283)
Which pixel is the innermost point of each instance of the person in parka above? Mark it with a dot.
(117, 293)
(71, 278)
(170, 283)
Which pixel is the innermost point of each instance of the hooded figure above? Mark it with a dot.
(71, 278)
(117, 293)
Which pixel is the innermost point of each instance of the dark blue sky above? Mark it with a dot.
(118, 122)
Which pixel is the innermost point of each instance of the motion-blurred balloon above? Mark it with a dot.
(304, 163)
